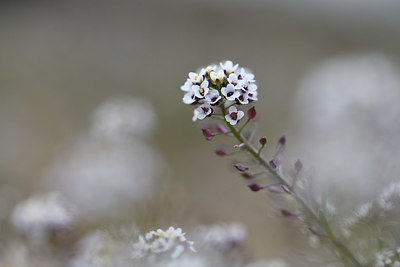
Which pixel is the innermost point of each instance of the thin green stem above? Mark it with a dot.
(244, 125)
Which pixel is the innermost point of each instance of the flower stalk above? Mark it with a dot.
(346, 256)
(225, 89)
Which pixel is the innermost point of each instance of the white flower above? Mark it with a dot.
(243, 98)
(248, 77)
(213, 97)
(228, 66)
(200, 90)
(230, 92)
(195, 78)
(233, 79)
(122, 117)
(202, 111)
(189, 98)
(217, 77)
(172, 241)
(222, 236)
(252, 96)
(234, 115)
(187, 86)
(38, 216)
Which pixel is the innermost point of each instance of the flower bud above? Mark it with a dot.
(207, 134)
(247, 175)
(282, 141)
(255, 187)
(240, 167)
(263, 141)
(220, 152)
(298, 166)
(220, 128)
(251, 113)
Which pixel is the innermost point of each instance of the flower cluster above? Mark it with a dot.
(224, 84)
(39, 216)
(172, 241)
(388, 258)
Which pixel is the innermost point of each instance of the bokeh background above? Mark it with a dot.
(328, 76)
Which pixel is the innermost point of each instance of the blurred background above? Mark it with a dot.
(90, 107)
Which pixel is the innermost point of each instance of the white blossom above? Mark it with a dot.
(222, 236)
(172, 242)
(230, 92)
(202, 111)
(39, 215)
(213, 97)
(228, 66)
(200, 90)
(234, 115)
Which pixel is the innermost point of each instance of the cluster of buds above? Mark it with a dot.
(224, 84)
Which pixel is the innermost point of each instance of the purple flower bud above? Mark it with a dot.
(286, 189)
(207, 134)
(251, 113)
(220, 152)
(272, 164)
(282, 141)
(247, 175)
(255, 187)
(221, 129)
(286, 213)
(240, 167)
(263, 141)
(298, 166)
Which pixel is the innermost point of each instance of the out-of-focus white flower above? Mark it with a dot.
(270, 263)
(385, 199)
(234, 115)
(185, 262)
(201, 112)
(39, 216)
(345, 98)
(222, 236)
(121, 118)
(104, 177)
(104, 248)
(388, 257)
(172, 242)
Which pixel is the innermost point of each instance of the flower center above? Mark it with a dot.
(233, 115)
(201, 91)
(229, 94)
(205, 110)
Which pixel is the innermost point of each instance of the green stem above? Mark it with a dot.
(349, 260)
